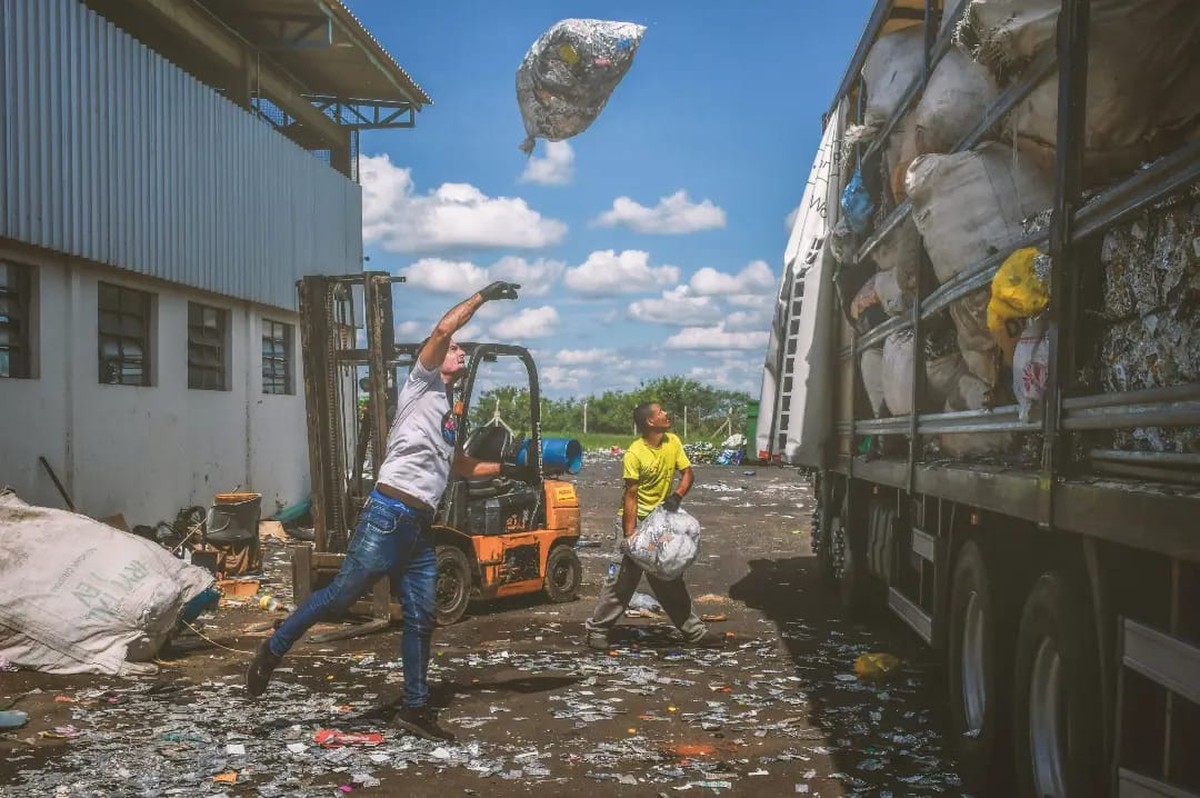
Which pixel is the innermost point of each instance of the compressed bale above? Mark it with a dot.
(970, 205)
(956, 98)
(975, 340)
(899, 253)
(1158, 350)
(891, 66)
(1153, 262)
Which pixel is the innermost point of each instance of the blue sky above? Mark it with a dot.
(650, 244)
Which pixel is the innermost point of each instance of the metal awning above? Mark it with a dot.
(324, 47)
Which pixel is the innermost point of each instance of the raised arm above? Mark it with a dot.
(435, 349)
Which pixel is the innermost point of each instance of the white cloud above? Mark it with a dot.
(580, 357)
(755, 278)
(529, 323)
(455, 215)
(412, 330)
(445, 276)
(460, 277)
(676, 306)
(556, 169)
(606, 273)
(790, 220)
(716, 339)
(762, 303)
(739, 374)
(743, 321)
(535, 277)
(672, 215)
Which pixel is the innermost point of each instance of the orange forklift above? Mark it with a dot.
(495, 537)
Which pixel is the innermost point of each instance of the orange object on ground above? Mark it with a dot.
(332, 738)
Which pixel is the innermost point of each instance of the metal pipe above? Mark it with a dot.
(1156, 458)
(1167, 414)
(1147, 473)
(1177, 393)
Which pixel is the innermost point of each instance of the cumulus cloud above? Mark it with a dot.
(676, 306)
(716, 339)
(536, 277)
(460, 277)
(743, 321)
(675, 214)
(581, 357)
(731, 374)
(452, 216)
(760, 303)
(606, 273)
(556, 169)
(528, 323)
(755, 278)
(412, 330)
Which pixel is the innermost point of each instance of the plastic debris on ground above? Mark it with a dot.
(569, 73)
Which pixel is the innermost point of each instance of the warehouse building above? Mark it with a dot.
(170, 169)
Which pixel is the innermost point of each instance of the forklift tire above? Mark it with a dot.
(564, 573)
(1057, 700)
(453, 591)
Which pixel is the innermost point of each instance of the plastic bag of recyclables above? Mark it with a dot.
(569, 73)
(78, 596)
(665, 543)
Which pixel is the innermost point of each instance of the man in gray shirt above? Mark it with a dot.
(393, 536)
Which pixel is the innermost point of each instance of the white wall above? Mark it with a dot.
(146, 452)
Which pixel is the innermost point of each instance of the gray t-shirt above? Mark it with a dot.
(421, 443)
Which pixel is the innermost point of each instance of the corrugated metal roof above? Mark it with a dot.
(353, 65)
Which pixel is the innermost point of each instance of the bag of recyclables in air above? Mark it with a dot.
(665, 543)
(569, 73)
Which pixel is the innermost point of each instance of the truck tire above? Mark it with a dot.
(978, 653)
(1058, 740)
(564, 573)
(848, 573)
(453, 591)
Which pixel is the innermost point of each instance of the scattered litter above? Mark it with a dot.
(802, 789)
(643, 601)
(332, 738)
(235, 749)
(13, 719)
(61, 733)
(228, 777)
(876, 666)
(714, 617)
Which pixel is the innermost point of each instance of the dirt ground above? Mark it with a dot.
(778, 712)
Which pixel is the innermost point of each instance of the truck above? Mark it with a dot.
(985, 357)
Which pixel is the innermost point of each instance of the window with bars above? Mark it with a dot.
(16, 316)
(206, 348)
(124, 335)
(277, 357)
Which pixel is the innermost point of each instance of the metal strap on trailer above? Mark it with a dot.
(1171, 663)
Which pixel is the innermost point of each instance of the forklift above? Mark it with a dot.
(494, 537)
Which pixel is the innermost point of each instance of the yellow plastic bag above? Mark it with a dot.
(877, 666)
(1017, 294)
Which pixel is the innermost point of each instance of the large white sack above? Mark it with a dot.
(892, 298)
(970, 205)
(955, 99)
(1143, 91)
(899, 153)
(891, 66)
(950, 9)
(952, 386)
(899, 252)
(871, 363)
(78, 596)
(665, 543)
(897, 372)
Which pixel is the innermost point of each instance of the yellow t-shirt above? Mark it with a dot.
(654, 469)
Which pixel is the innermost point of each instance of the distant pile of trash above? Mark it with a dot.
(732, 451)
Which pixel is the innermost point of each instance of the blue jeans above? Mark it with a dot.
(391, 540)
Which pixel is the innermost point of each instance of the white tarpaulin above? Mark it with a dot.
(808, 262)
(78, 596)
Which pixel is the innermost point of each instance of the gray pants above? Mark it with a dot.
(616, 593)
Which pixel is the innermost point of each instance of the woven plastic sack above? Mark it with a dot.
(890, 68)
(871, 364)
(1031, 366)
(569, 73)
(78, 596)
(665, 543)
(865, 298)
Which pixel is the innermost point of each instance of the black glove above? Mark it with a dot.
(499, 290)
(672, 503)
(523, 473)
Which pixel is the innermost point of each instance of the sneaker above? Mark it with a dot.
(258, 676)
(598, 641)
(709, 639)
(422, 721)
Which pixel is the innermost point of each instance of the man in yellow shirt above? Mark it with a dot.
(649, 470)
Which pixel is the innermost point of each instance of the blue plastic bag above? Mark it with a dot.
(857, 205)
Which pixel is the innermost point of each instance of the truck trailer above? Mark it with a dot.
(986, 357)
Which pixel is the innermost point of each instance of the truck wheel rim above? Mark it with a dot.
(838, 548)
(974, 687)
(1046, 720)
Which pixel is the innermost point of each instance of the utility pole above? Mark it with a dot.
(685, 422)
(585, 416)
